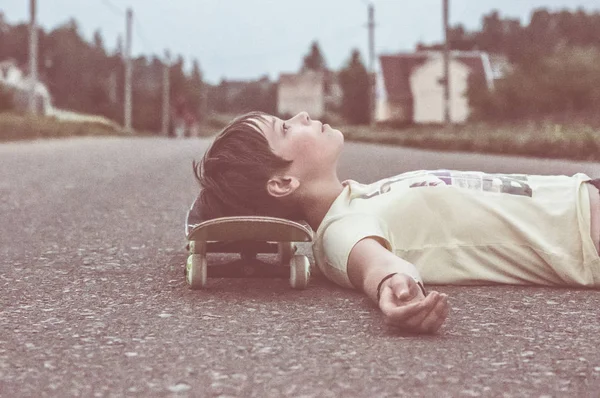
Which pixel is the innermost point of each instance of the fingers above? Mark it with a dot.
(433, 302)
(402, 311)
(425, 315)
(436, 317)
(440, 321)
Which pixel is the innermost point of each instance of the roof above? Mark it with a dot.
(397, 69)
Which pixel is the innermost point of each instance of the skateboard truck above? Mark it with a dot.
(248, 237)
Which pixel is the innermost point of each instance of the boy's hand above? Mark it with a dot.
(404, 305)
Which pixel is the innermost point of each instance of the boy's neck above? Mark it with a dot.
(318, 199)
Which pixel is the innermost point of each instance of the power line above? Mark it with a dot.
(139, 31)
(140, 34)
(115, 9)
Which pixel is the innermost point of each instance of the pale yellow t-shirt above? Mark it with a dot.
(468, 228)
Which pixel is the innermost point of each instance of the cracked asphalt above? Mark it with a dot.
(93, 302)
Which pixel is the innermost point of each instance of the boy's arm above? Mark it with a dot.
(401, 300)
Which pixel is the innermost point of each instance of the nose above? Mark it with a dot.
(302, 117)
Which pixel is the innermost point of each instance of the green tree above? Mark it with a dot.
(491, 37)
(554, 66)
(460, 39)
(564, 84)
(258, 95)
(314, 60)
(354, 81)
(218, 97)
(98, 41)
(177, 85)
(81, 76)
(195, 91)
(14, 44)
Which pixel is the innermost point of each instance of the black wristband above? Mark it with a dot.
(420, 284)
(385, 278)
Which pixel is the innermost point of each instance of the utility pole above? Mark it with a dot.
(128, 71)
(166, 89)
(447, 100)
(33, 56)
(204, 103)
(372, 77)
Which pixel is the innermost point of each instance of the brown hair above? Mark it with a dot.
(234, 172)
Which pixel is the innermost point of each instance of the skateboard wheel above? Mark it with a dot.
(197, 247)
(299, 272)
(285, 251)
(196, 271)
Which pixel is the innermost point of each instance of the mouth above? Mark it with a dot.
(323, 126)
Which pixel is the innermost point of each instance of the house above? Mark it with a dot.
(412, 90)
(315, 92)
(13, 77)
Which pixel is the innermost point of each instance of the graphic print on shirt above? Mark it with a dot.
(501, 183)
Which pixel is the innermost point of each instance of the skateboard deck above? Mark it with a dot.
(247, 236)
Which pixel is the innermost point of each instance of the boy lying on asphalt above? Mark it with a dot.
(390, 237)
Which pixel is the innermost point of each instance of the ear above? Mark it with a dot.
(282, 186)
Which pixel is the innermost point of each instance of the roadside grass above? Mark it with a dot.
(535, 139)
(14, 126)
(546, 140)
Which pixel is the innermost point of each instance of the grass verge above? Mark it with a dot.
(547, 140)
(23, 127)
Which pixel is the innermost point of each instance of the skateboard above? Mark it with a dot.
(247, 236)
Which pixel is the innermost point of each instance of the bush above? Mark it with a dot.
(562, 85)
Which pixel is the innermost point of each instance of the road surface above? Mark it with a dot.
(93, 300)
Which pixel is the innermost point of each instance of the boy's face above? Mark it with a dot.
(313, 147)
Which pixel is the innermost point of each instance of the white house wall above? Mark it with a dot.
(428, 92)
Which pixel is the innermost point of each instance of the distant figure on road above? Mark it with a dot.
(185, 123)
(390, 237)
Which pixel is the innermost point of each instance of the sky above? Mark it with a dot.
(248, 39)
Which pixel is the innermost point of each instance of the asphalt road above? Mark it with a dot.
(93, 300)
